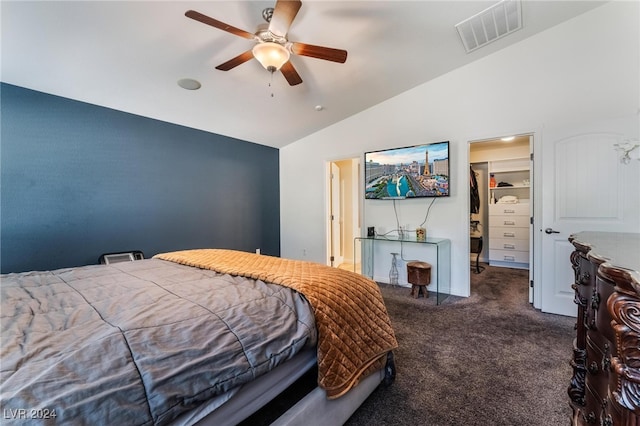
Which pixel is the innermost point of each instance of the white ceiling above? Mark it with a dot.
(129, 55)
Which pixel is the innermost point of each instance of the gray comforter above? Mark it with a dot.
(138, 342)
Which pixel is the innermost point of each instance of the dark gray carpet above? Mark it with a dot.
(490, 359)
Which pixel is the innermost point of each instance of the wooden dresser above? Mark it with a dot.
(605, 387)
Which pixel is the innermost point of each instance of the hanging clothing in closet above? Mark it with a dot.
(474, 194)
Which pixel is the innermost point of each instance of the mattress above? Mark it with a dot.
(140, 342)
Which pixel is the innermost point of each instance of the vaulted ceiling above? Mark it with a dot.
(129, 56)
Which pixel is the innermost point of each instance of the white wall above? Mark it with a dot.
(579, 72)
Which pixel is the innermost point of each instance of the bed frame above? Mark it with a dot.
(314, 409)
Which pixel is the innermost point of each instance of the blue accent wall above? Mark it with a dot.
(79, 180)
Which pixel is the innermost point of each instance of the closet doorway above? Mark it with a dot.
(343, 213)
(501, 215)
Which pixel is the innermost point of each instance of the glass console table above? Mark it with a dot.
(442, 248)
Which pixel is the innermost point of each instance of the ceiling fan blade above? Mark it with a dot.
(238, 60)
(291, 74)
(283, 15)
(218, 24)
(319, 52)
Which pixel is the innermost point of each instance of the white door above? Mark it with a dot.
(336, 217)
(585, 187)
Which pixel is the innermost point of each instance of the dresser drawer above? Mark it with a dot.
(508, 244)
(509, 221)
(509, 256)
(604, 290)
(519, 209)
(592, 407)
(598, 368)
(501, 232)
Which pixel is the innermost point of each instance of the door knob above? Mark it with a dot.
(551, 231)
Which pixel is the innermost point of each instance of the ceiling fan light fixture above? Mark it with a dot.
(271, 55)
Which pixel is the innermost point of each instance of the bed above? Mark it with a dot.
(202, 336)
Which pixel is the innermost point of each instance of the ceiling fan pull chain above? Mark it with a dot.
(271, 81)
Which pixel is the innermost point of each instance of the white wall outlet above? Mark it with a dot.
(258, 251)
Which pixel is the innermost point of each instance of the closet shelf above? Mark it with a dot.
(510, 187)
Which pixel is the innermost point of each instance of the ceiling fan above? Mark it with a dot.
(272, 48)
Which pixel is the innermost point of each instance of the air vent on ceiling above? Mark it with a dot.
(491, 24)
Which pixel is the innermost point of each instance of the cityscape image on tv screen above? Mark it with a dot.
(410, 172)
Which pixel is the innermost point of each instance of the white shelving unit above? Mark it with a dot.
(509, 223)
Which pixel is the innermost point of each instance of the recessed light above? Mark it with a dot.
(189, 84)
(508, 139)
(319, 107)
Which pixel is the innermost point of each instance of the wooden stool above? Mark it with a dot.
(419, 274)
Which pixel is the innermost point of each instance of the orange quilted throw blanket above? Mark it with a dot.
(354, 330)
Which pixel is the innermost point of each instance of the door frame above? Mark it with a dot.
(335, 216)
(535, 289)
(352, 180)
(536, 179)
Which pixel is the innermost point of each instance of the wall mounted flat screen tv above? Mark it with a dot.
(409, 172)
